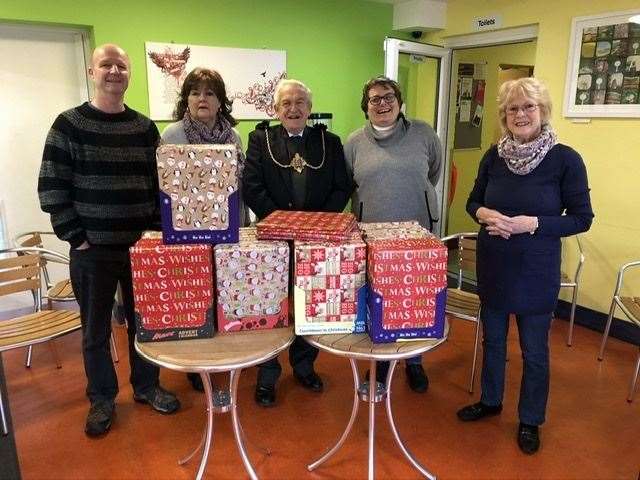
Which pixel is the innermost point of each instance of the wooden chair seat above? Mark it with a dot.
(61, 292)
(37, 328)
(632, 304)
(461, 303)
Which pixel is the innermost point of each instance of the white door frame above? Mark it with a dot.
(393, 47)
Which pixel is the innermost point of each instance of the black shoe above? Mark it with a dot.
(99, 418)
(479, 410)
(196, 381)
(265, 395)
(311, 382)
(528, 438)
(417, 379)
(160, 400)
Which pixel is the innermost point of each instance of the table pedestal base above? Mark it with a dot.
(221, 401)
(372, 392)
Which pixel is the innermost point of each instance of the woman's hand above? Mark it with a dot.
(496, 223)
(523, 224)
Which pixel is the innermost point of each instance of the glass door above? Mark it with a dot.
(423, 72)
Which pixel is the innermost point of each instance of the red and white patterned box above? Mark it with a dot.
(307, 226)
(329, 286)
(252, 284)
(173, 290)
(408, 282)
(199, 199)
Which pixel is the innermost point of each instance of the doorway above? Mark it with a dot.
(477, 73)
(423, 74)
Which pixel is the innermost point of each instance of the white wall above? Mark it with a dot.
(43, 73)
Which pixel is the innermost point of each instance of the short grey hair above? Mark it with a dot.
(290, 82)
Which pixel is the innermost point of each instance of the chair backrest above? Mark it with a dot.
(31, 239)
(464, 244)
(19, 274)
(581, 257)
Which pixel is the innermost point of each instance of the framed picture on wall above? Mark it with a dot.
(603, 70)
(250, 76)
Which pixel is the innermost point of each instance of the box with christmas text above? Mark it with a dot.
(407, 289)
(173, 290)
(329, 286)
(252, 280)
(199, 199)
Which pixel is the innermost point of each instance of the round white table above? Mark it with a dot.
(231, 352)
(359, 347)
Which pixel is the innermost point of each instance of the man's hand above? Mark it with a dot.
(84, 246)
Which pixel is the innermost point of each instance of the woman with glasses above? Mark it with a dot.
(395, 164)
(529, 192)
(203, 116)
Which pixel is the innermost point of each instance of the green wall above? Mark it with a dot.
(333, 46)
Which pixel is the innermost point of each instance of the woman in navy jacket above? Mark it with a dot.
(530, 191)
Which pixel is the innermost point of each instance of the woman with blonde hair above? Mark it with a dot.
(529, 192)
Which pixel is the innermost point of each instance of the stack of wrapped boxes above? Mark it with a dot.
(407, 273)
(329, 288)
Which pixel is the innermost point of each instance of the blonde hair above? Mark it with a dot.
(527, 87)
(289, 82)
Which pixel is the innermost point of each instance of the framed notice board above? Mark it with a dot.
(469, 105)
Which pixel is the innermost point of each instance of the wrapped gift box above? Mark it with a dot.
(252, 284)
(307, 226)
(199, 200)
(173, 290)
(408, 288)
(391, 230)
(329, 290)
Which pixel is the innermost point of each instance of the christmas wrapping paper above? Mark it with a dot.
(252, 284)
(407, 288)
(199, 200)
(307, 226)
(329, 291)
(173, 290)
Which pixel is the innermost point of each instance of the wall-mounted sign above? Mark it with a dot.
(490, 22)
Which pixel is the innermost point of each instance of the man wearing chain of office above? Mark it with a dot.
(293, 167)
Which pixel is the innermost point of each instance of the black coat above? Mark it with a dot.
(268, 187)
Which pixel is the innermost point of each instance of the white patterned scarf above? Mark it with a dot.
(523, 158)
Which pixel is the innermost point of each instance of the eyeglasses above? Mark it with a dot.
(389, 98)
(527, 108)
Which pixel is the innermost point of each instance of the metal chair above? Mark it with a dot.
(462, 304)
(20, 274)
(631, 307)
(573, 283)
(60, 291)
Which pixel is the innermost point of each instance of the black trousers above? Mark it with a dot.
(95, 273)
(301, 358)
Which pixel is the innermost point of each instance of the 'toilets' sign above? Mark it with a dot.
(491, 22)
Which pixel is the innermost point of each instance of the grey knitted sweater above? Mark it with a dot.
(395, 175)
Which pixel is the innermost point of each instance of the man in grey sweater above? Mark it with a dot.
(395, 164)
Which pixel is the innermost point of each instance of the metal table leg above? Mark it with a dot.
(237, 429)
(372, 418)
(208, 390)
(396, 435)
(352, 419)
